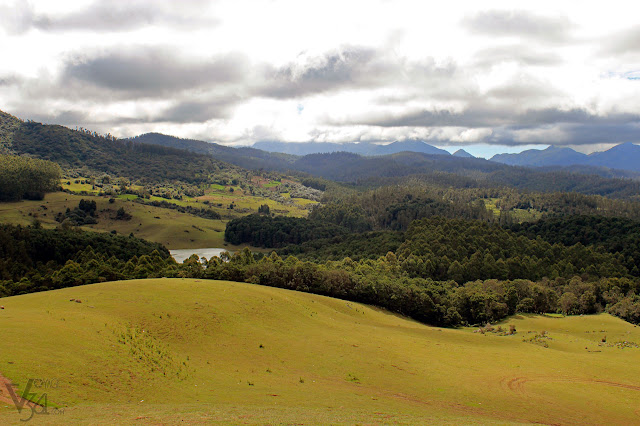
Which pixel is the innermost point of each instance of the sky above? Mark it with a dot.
(486, 76)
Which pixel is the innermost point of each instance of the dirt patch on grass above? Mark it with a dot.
(5, 397)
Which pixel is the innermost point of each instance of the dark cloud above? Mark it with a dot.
(350, 67)
(109, 16)
(520, 24)
(482, 116)
(603, 133)
(153, 72)
(335, 70)
(567, 134)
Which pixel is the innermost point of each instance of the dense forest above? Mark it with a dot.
(24, 177)
(266, 231)
(36, 259)
(615, 235)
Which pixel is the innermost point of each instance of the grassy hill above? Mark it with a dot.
(172, 350)
(169, 227)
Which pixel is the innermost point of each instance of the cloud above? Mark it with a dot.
(623, 42)
(197, 111)
(152, 71)
(510, 127)
(518, 23)
(9, 80)
(220, 70)
(16, 18)
(480, 115)
(109, 16)
(316, 74)
(69, 118)
(350, 68)
(516, 53)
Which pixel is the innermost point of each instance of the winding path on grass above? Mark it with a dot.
(517, 384)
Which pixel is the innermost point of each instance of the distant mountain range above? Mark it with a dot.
(621, 157)
(362, 148)
(143, 158)
(625, 156)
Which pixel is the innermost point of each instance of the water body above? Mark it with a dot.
(183, 254)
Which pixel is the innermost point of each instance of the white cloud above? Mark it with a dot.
(461, 73)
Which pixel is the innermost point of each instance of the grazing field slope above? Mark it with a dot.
(172, 350)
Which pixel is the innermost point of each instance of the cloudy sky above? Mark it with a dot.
(480, 74)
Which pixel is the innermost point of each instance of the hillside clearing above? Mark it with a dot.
(166, 350)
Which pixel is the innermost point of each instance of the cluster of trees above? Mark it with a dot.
(266, 231)
(367, 245)
(382, 282)
(438, 248)
(204, 212)
(84, 214)
(470, 250)
(30, 178)
(614, 235)
(565, 204)
(36, 259)
(396, 206)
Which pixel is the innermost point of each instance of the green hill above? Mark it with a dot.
(173, 350)
(246, 157)
(8, 126)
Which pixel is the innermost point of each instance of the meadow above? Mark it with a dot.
(168, 227)
(172, 350)
(172, 228)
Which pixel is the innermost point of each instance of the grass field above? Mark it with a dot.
(173, 350)
(173, 229)
(519, 215)
(219, 197)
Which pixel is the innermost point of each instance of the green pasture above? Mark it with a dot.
(167, 351)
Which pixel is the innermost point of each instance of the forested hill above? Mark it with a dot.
(348, 167)
(448, 170)
(104, 154)
(8, 125)
(245, 157)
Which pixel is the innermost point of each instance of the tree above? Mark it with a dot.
(568, 303)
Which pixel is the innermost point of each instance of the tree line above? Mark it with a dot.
(33, 259)
(30, 178)
(383, 282)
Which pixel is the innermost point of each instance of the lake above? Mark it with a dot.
(183, 254)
